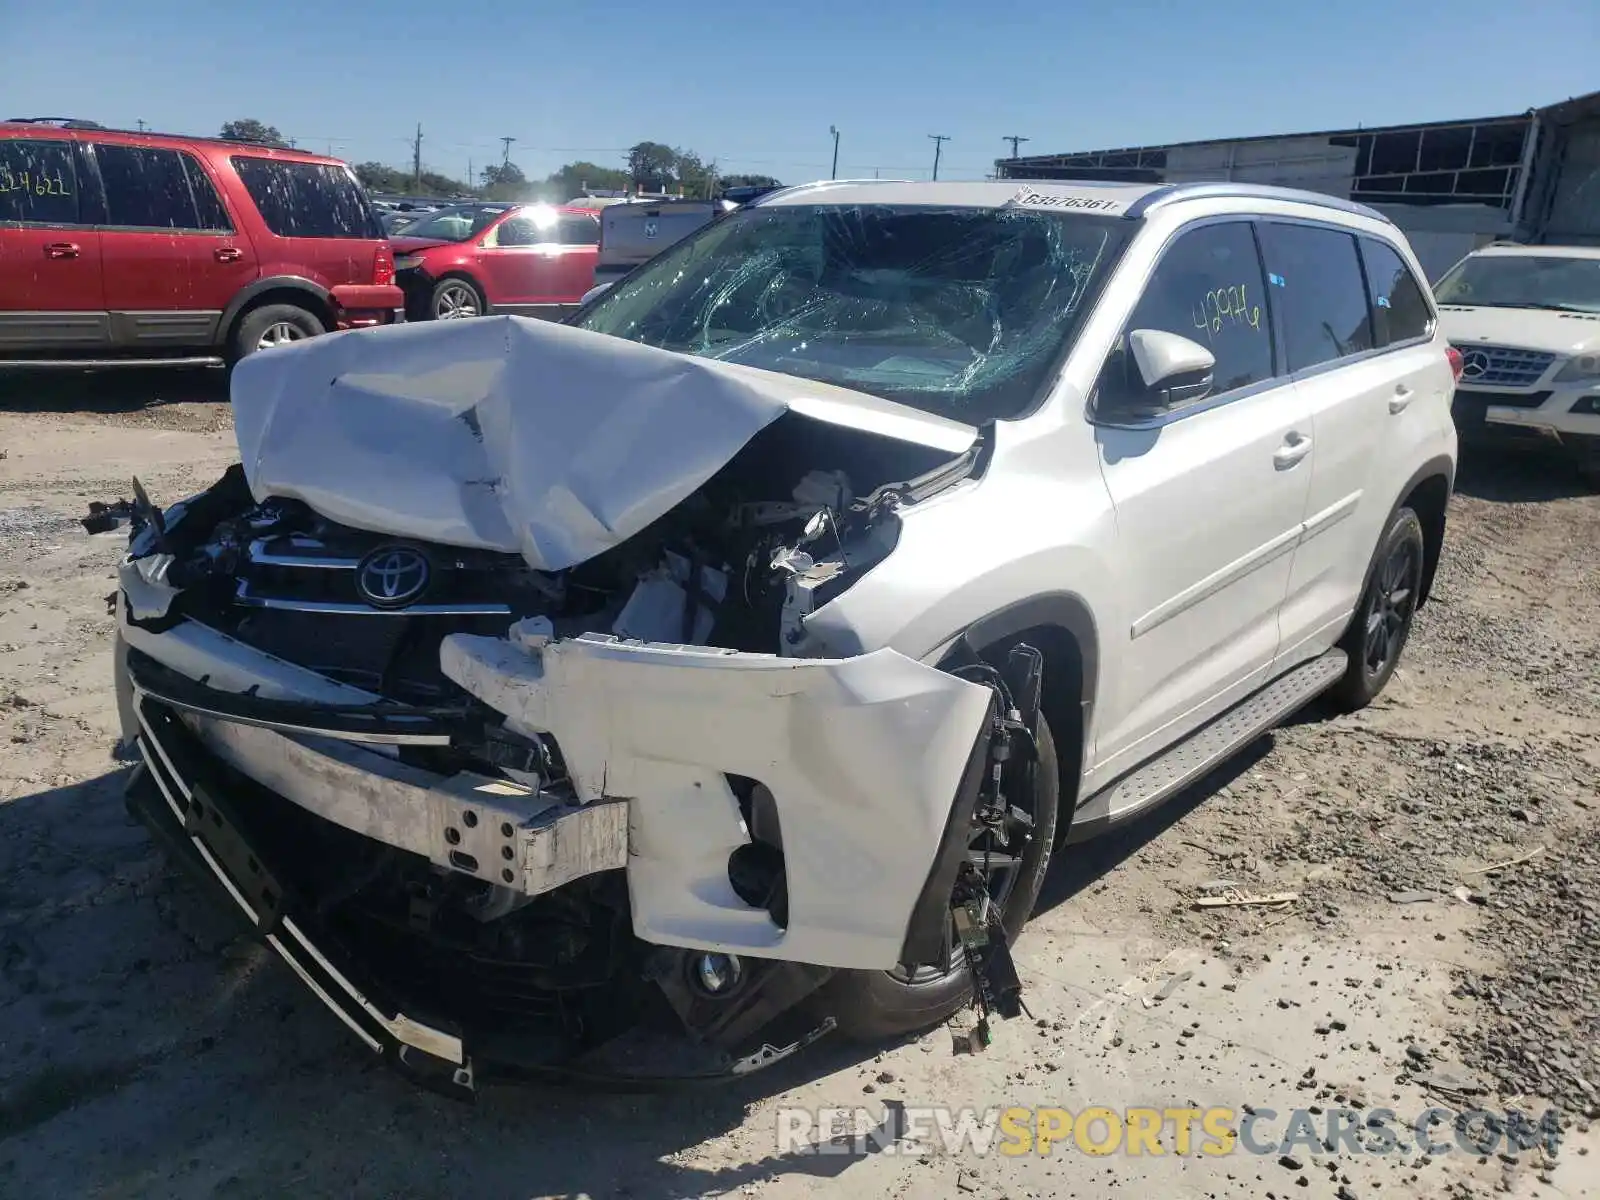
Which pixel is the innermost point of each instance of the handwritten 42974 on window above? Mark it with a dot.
(1226, 306)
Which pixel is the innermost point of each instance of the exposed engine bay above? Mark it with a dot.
(533, 815)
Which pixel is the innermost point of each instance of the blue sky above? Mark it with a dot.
(756, 86)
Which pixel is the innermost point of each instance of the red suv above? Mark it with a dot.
(530, 259)
(120, 247)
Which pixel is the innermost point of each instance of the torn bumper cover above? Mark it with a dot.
(863, 757)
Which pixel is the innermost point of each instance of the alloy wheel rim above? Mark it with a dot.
(279, 333)
(1001, 866)
(1394, 598)
(454, 303)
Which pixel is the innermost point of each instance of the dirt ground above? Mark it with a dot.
(146, 1052)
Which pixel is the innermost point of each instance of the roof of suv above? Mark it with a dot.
(1114, 199)
(1517, 250)
(83, 130)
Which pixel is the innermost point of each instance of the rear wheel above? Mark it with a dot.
(1382, 622)
(869, 1005)
(273, 325)
(454, 298)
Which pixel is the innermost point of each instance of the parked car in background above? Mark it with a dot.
(637, 231)
(134, 248)
(469, 259)
(1526, 320)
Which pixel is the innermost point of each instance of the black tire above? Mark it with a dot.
(273, 324)
(872, 1005)
(452, 296)
(1587, 451)
(1382, 621)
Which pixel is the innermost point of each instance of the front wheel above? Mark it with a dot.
(1382, 623)
(454, 299)
(871, 1005)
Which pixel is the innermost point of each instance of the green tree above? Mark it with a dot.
(248, 129)
(571, 180)
(695, 178)
(504, 182)
(376, 177)
(653, 166)
(728, 181)
(435, 184)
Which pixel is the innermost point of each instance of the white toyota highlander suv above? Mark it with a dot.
(1526, 320)
(649, 694)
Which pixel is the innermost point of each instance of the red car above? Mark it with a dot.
(469, 259)
(123, 248)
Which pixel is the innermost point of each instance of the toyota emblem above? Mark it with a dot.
(392, 576)
(1474, 364)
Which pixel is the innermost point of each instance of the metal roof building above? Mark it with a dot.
(1451, 185)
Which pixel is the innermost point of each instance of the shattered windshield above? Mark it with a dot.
(1567, 284)
(958, 311)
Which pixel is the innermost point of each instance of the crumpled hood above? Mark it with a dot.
(1523, 328)
(513, 434)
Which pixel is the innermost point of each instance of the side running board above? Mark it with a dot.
(1180, 765)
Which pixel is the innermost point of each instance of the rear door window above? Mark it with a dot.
(38, 182)
(208, 204)
(1318, 291)
(1400, 309)
(578, 231)
(146, 188)
(307, 200)
(1208, 286)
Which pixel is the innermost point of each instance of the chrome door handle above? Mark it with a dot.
(1402, 397)
(1295, 447)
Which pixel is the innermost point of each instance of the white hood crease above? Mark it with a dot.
(518, 435)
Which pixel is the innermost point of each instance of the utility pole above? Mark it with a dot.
(834, 174)
(505, 151)
(1014, 139)
(469, 175)
(939, 139)
(416, 161)
(141, 126)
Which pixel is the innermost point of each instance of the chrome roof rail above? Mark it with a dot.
(1174, 193)
(817, 186)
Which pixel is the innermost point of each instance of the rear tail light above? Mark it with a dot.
(384, 272)
(1454, 356)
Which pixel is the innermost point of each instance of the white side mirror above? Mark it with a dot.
(597, 290)
(1163, 356)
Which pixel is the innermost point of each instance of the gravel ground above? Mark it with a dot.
(144, 1051)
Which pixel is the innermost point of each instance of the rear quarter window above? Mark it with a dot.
(307, 200)
(38, 182)
(1400, 311)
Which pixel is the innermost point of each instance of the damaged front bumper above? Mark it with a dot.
(869, 767)
(864, 760)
